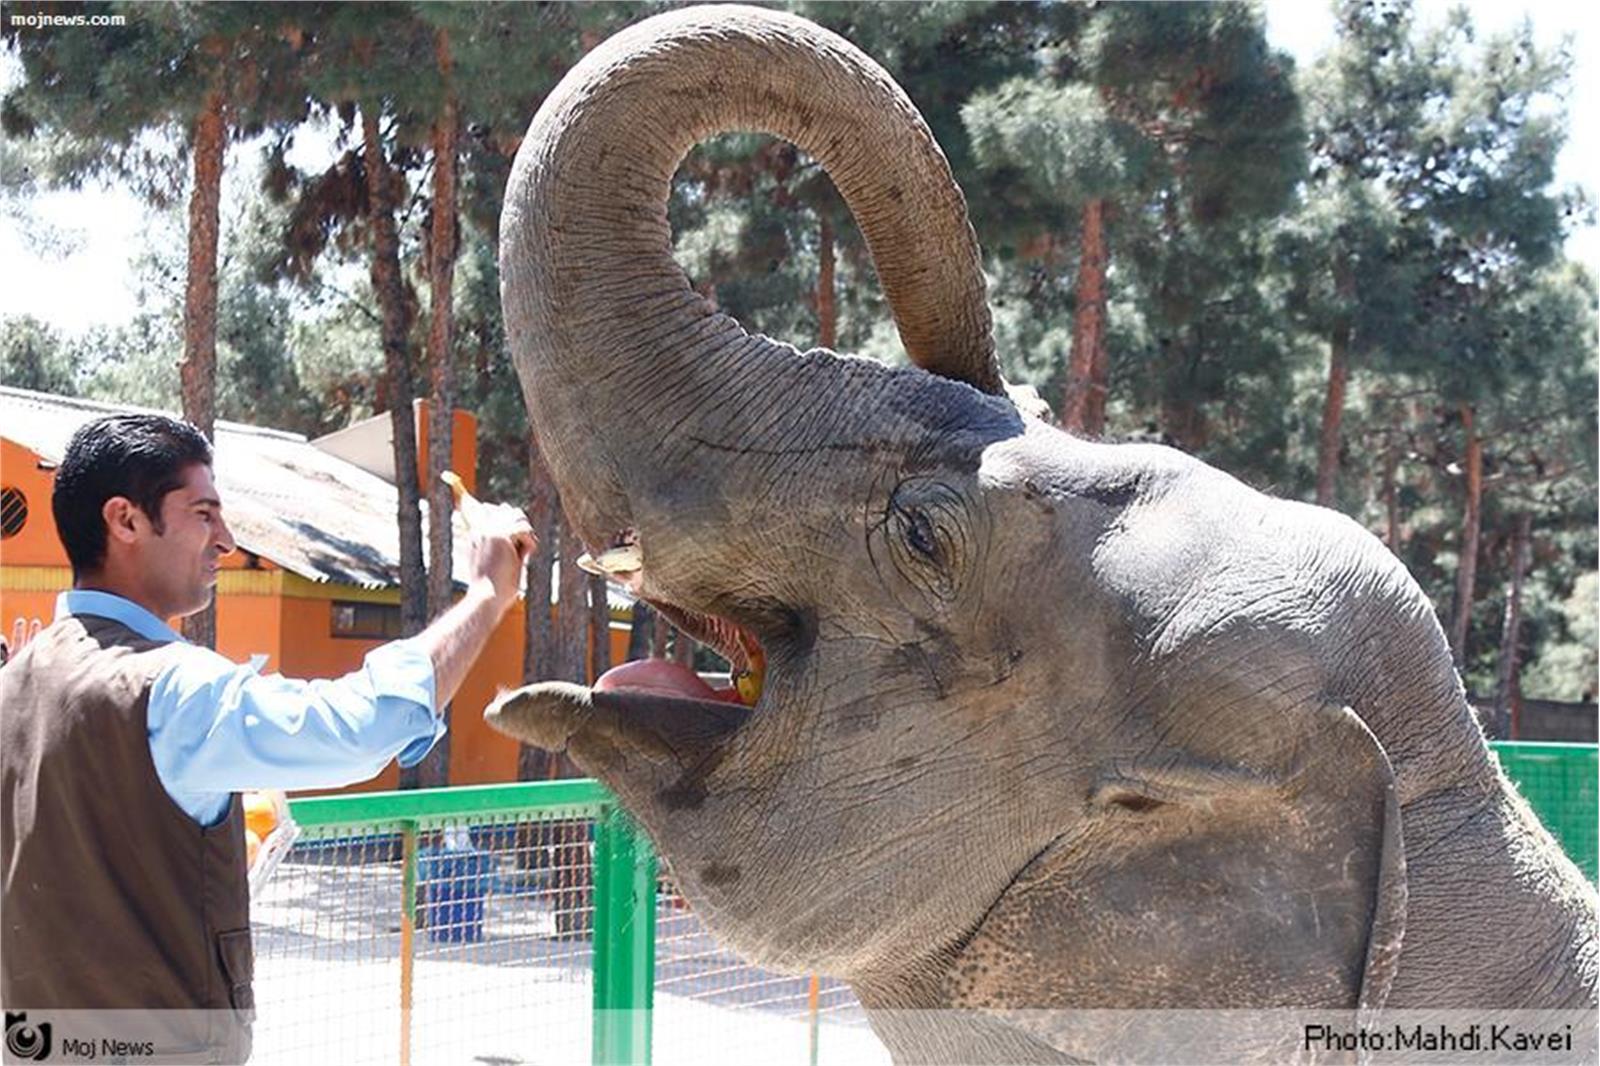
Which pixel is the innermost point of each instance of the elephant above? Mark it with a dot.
(1043, 723)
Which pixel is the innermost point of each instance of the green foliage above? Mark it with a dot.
(1400, 187)
(1058, 139)
(118, 102)
(1565, 668)
(32, 356)
(1200, 82)
(746, 211)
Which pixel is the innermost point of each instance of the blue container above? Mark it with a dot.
(453, 883)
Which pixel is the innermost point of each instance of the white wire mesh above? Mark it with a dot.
(502, 960)
(706, 997)
(502, 951)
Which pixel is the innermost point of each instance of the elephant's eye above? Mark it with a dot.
(928, 532)
(920, 535)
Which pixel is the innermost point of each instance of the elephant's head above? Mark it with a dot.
(1004, 752)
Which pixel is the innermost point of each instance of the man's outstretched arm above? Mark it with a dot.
(217, 727)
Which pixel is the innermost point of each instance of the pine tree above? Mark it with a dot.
(1177, 112)
(206, 71)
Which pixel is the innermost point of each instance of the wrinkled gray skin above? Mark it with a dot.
(1048, 723)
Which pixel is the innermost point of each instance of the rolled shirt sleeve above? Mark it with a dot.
(219, 727)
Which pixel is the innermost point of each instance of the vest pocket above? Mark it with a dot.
(238, 966)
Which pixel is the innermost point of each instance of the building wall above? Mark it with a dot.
(36, 543)
(463, 447)
(264, 610)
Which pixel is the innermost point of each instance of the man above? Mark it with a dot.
(123, 749)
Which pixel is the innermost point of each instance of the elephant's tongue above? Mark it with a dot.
(662, 677)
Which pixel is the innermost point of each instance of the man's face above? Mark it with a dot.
(180, 563)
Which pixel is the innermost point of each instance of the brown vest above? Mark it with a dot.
(112, 896)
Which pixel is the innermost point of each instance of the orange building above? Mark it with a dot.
(314, 585)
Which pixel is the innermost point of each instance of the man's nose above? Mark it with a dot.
(225, 544)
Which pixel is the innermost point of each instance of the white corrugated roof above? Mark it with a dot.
(311, 512)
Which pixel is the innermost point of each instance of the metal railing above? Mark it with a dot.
(404, 926)
(531, 923)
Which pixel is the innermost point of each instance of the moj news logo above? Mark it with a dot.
(24, 1041)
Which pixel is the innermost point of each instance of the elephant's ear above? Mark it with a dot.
(1388, 926)
(1205, 880)
(1342, 769)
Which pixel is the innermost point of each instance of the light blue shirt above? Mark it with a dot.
(217, 727)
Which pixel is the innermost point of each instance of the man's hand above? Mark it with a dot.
(500, 542)
(499, 539)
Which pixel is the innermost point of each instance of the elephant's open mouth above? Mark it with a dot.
(746, 661)
(728, 639)
(623, 562)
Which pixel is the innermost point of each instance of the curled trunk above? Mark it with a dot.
(600, 318)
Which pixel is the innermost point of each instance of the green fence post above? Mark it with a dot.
(624, 941)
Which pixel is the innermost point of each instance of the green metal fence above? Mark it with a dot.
(1561, 782)
(531, 923)
(430, 926)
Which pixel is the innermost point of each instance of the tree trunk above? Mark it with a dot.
(539, 643)
(660, 633)
(434, 771)
(640, 631)
(1391, 497)
(395, 330)
(539, 650)
(1508, 687)
(1184, 422)
(1467, 568)
(198, 372)
(1338, 376)
(1083, 397)
(572, 613)
(1332, 419)
(827, 305)
(570, 840)
(599, 628)
(441, 362)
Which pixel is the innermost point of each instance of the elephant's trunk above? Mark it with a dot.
(617, 354)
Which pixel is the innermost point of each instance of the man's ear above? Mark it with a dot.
(123, 519)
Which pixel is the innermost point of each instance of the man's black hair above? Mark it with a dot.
(142, 457)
